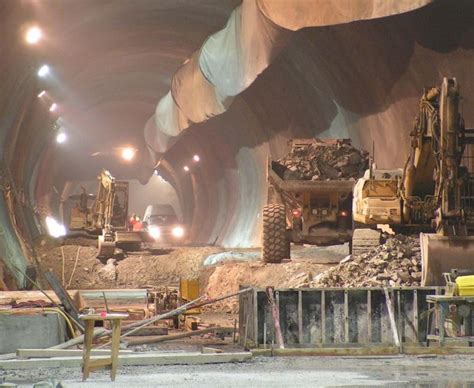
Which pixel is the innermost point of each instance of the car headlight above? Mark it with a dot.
(178, 232)
(154, 232)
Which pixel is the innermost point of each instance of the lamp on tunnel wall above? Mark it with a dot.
(128, 153)
(42, 93)
(186, 168)
(61, 137)
(53, 107)
(33, 35)
(196, 158)
(43, 71)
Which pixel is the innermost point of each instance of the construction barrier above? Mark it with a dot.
(333, 317)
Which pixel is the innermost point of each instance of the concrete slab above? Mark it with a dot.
(34, 330)
(131, 359)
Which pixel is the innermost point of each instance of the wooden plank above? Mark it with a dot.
(369, 315)
(393, 325)
(115, 347)
(300, 317)
(100, 363)
(46, 353)
(323, 317)
(346, 316)
(415, 314)
(255, 316)
(171, 337)
(151, 358)
(89, 334)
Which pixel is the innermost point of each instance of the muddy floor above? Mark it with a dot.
(403, 371)
(220, 271)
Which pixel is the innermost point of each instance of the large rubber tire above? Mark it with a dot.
(275, 244)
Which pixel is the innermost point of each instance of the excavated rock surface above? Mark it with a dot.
(395, 263)
(324, 160)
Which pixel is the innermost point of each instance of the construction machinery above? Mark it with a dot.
(432, 194)
(107, 217)
(304, 211)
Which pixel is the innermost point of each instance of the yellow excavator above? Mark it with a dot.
(107, 217)
(433, 194)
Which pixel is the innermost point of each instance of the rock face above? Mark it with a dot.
(324, 160)
(395, 263)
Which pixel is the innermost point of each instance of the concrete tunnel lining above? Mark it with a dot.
(361, 79)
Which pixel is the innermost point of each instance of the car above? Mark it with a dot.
(163, 225)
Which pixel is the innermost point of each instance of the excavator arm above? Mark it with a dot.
(452, 247)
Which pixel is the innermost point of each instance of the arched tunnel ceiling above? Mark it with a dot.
(112, 63)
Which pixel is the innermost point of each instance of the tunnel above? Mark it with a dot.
(356, 73)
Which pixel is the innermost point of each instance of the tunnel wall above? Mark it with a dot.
(24, 127)
(361, 80)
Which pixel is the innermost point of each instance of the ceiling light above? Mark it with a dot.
(186, 168)
(53, 107)
(61, 138)
(196, 158)
(128, 153)
(33, 35)
(43, 71)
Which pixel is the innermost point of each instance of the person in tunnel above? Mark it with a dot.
(83, 200)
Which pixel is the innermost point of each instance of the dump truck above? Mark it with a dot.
(433, 194)
(105, 215)
(310, 203)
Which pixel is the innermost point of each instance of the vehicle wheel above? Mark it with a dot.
(275, 244)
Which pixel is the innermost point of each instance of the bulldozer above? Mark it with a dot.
(107, 217)
(433, 194)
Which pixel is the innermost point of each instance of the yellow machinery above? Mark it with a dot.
(302, 211)
(107, 217)
(434, 192)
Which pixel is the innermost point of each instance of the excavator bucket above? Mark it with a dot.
(440, 254)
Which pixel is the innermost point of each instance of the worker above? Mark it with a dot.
(132, 221)
(138, 225)
(83, 200)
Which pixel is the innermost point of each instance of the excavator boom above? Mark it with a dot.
(452, 246)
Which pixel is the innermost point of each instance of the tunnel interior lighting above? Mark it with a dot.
(42, 93)
(55, 229)
(154, 232)
(186, 168)
(128, 153)
(43, 71)
(33, 35)
(53, 107)
(178, 231)
(61, 138)
(196, 158)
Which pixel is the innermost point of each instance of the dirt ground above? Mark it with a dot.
(394, 371)
(164, 267)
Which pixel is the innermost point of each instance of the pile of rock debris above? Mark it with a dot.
(324, 160)
(395, 263)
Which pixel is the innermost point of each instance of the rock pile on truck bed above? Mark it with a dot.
(324, 160)
(395, 263)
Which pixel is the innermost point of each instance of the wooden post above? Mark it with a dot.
(86, 357)
(393, 325)
(115, 347)
(276, 318)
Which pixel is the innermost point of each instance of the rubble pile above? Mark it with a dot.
(395, 263)
(324, 160)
